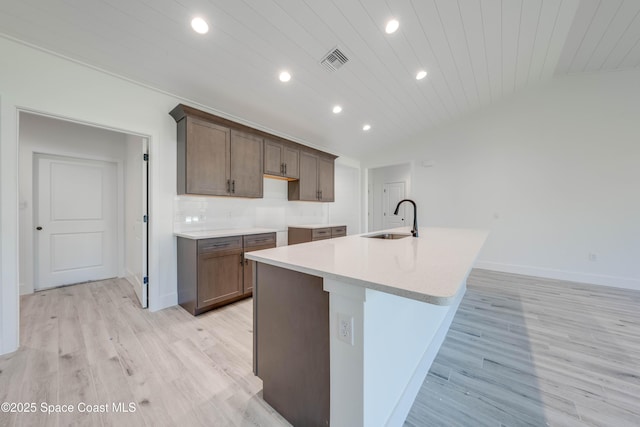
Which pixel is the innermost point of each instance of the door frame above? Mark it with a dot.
(152, 264)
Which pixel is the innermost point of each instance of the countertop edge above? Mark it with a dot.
(418, 296)
(198, 235)
(316, 226)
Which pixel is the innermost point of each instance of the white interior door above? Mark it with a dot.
(140, 230)
(76, 220)
(392, 193)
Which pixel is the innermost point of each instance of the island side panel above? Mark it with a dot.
(291, 327)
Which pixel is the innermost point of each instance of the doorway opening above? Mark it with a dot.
(83, 205)
(386, 187)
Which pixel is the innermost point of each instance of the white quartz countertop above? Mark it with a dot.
(432, 268)
(208, 234)
(314, 226)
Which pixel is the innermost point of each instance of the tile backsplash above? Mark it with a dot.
(196, 213)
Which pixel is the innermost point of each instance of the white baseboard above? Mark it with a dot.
(130, 277)
(548, 273)
(25, 290)
(164, 301)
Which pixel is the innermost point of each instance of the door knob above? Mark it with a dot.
(38, 228)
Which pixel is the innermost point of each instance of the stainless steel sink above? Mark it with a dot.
(388, 236)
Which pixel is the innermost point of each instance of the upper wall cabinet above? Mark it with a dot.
(217, 160)
(204, 157)
(281, 160)
(316, 183)
(214, 160)
(219, 157)
(246, 179)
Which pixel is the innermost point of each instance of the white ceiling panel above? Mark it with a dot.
(476, 52)
(604, 36)
(473, 27)
(530, 15)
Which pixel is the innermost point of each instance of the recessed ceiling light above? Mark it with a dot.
(421, 75)
(285, 76)
(392, 26)
(199, 25)
(366, 127)
(337, 109)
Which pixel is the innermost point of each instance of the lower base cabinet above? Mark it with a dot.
(214, 272)
(304, 234)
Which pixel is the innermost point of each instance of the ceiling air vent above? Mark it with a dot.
(333, 60)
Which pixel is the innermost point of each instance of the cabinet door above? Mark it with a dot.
(325, 179)
(219, 277)
(255, 242)
(246, 165)
(321, 234)
(340, 231)
(273, 154)
(308, 176)
(291, 160)
(207, 158)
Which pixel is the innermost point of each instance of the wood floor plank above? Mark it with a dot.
(567, 356)
(522, 351)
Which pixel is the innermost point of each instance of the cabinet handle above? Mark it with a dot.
(246, 261)
(241, 259)
(219, 245)
(281, 168)
(233, 186)
(228, 186)
(285, 168)
(320, 194)
(260, 240)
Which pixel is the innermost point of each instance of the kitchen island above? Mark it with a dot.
(345, 330)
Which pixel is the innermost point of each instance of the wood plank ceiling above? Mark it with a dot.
(475, 51)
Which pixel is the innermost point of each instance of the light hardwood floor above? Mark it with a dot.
(525, 351)
(521, 351)
(91, 343)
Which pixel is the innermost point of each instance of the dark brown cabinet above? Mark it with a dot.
(246, 165)
(219, 157)
(316, 183)
(281, 160)
(219, 271)
(305, 234)
(214, 272)
(255, 242)
(326, 179)
(215, 160)
(204, 155)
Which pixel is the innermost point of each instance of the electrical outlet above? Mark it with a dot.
(345, 328)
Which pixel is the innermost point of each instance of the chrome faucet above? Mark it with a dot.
(414, 230)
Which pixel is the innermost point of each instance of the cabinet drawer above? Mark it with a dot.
(255, 240)
(321, 233)
(338, 231)
(221, 244)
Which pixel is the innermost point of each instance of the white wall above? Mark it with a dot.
(346, 209)
(34, 80)
(44, 135)
(195, 213)
(553, 172)
(377, 178)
